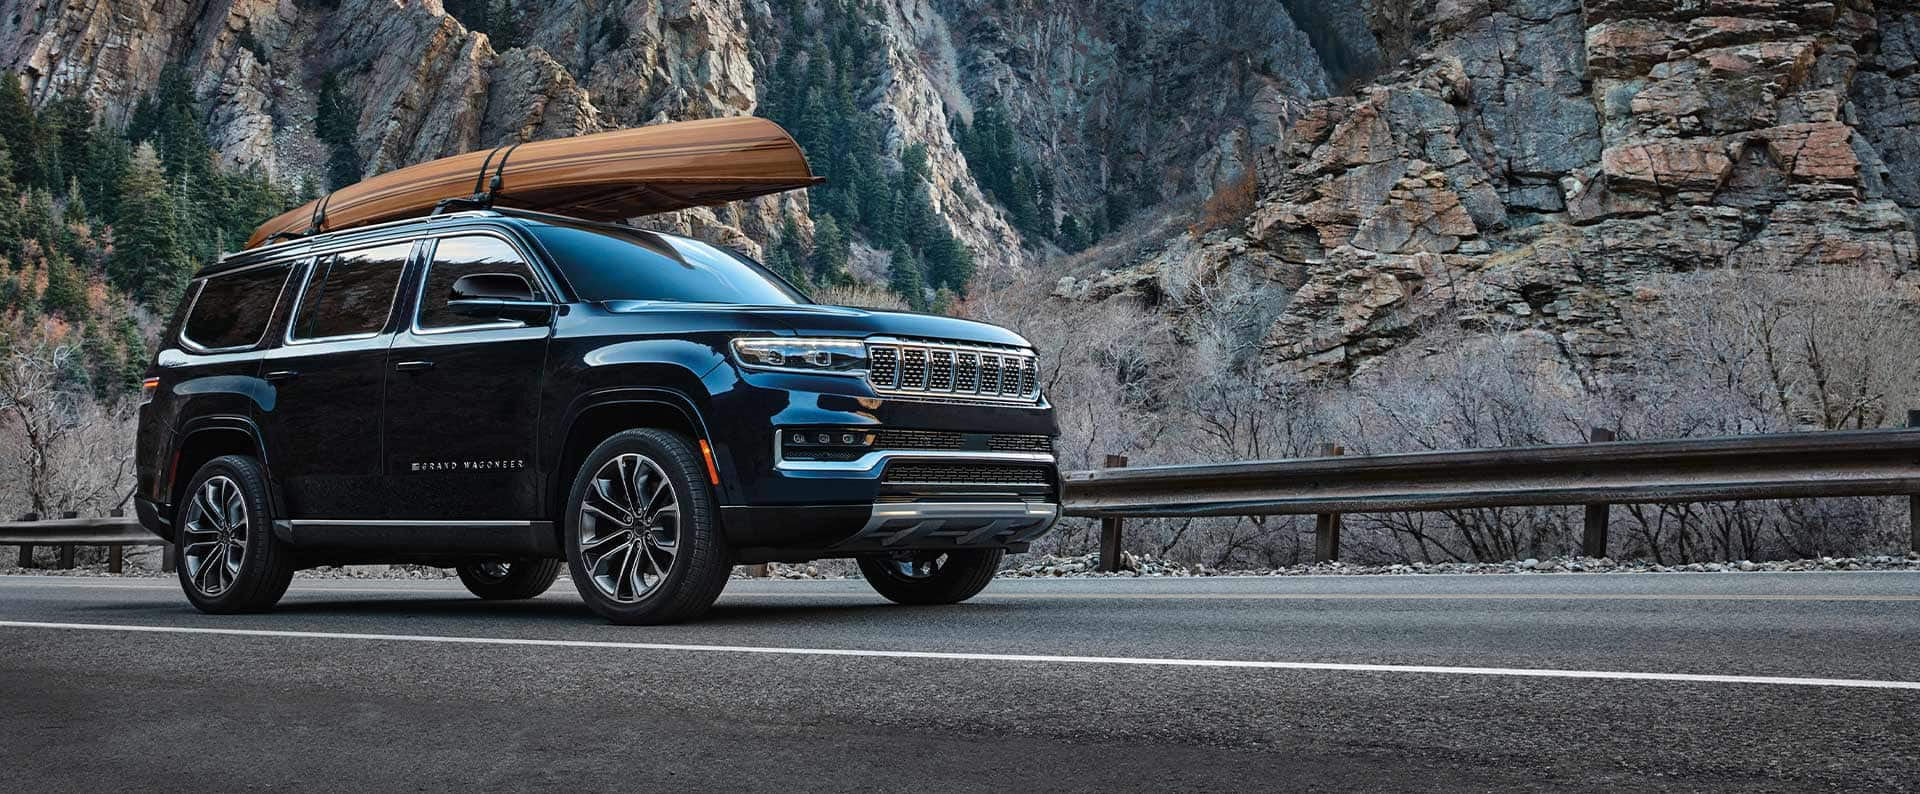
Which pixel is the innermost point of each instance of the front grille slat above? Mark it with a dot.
(883, 366)
(965, 474)
(904, 439)
(913, 369)
(953, 371)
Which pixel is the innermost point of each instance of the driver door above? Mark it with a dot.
(463, 395)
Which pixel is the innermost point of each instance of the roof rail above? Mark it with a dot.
(298, 238)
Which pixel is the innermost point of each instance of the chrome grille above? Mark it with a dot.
(939, 370)
(883, 365)
(913, 369)
(964, 372)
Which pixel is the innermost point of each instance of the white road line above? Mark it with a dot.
(445, 587)
(1245, 664)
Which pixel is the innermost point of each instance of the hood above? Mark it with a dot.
(846, 321)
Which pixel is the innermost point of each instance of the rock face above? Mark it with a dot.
(1522, 163)
(1163, 100)
(1534, 162)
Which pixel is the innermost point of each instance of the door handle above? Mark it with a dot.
(282, 374)
(413, 366)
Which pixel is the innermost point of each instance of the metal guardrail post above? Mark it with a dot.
(1913, 501)
(66, 549)
(1593, 541)
(1326, 526)
(1111, 528)
(26, 549)
(116, 553)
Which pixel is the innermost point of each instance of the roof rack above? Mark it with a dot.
(301, 237)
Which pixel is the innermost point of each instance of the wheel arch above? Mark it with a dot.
(209, 437)
(603, 414)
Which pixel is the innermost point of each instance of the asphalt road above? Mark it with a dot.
(1566, 682)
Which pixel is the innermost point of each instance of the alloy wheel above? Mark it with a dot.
(629, 528)
(915, 565)
(214, 537)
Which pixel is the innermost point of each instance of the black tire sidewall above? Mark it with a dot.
(964, 574)
(702, 563)
(526, 577)
(267, 568)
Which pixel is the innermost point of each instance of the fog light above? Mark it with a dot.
(825, 445)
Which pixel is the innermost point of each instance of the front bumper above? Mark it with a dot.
(775, 509)
(811, 533)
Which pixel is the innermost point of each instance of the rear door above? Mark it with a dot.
(322, 424)
(463, 395)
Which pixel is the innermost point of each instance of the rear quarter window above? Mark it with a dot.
(350, 293)
(233, 310)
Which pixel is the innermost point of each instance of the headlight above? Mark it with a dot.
(819, 356)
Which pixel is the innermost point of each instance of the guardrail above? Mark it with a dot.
(116, 531)
(1596, 475)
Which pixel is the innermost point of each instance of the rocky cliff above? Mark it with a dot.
(1162, 98)
(1533, 164)
(1539, 164)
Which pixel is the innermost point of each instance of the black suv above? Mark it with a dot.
(499, 391)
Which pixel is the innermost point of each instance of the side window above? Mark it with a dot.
(454, 257)
(350, 293)
(233, 310)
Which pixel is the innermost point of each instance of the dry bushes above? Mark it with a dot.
(1730, 352)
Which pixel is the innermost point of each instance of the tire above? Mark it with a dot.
(611, 552)
(225, 512)
(510, 580)
(926, 578)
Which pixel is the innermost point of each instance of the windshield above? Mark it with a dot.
(611, 264)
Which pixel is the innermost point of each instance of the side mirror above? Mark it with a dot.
(498, 296)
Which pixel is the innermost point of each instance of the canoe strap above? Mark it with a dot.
(319, 215)
(480, 179)
(500, 171)
(484, 188)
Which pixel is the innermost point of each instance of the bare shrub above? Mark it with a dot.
(860, 295)
(69, 452)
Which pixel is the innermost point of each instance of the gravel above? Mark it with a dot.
(1087, 565)
(1150, 566)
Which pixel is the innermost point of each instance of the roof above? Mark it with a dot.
(301, 245)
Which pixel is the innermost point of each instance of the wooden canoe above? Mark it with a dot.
(605, 176)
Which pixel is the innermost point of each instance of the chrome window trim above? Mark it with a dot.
(313, 265)
(187, 319)
(426, 266)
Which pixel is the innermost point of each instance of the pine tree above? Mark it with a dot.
(1073, 237)
(504, 26)
(336, 124)
(9, 206)
(133, 354)
(100, 175)
(17, 128)
(76, 211)
(65, 293)
(950, 264)
(148, 259)
(831, 251)
(38, 221)
(906, 279)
